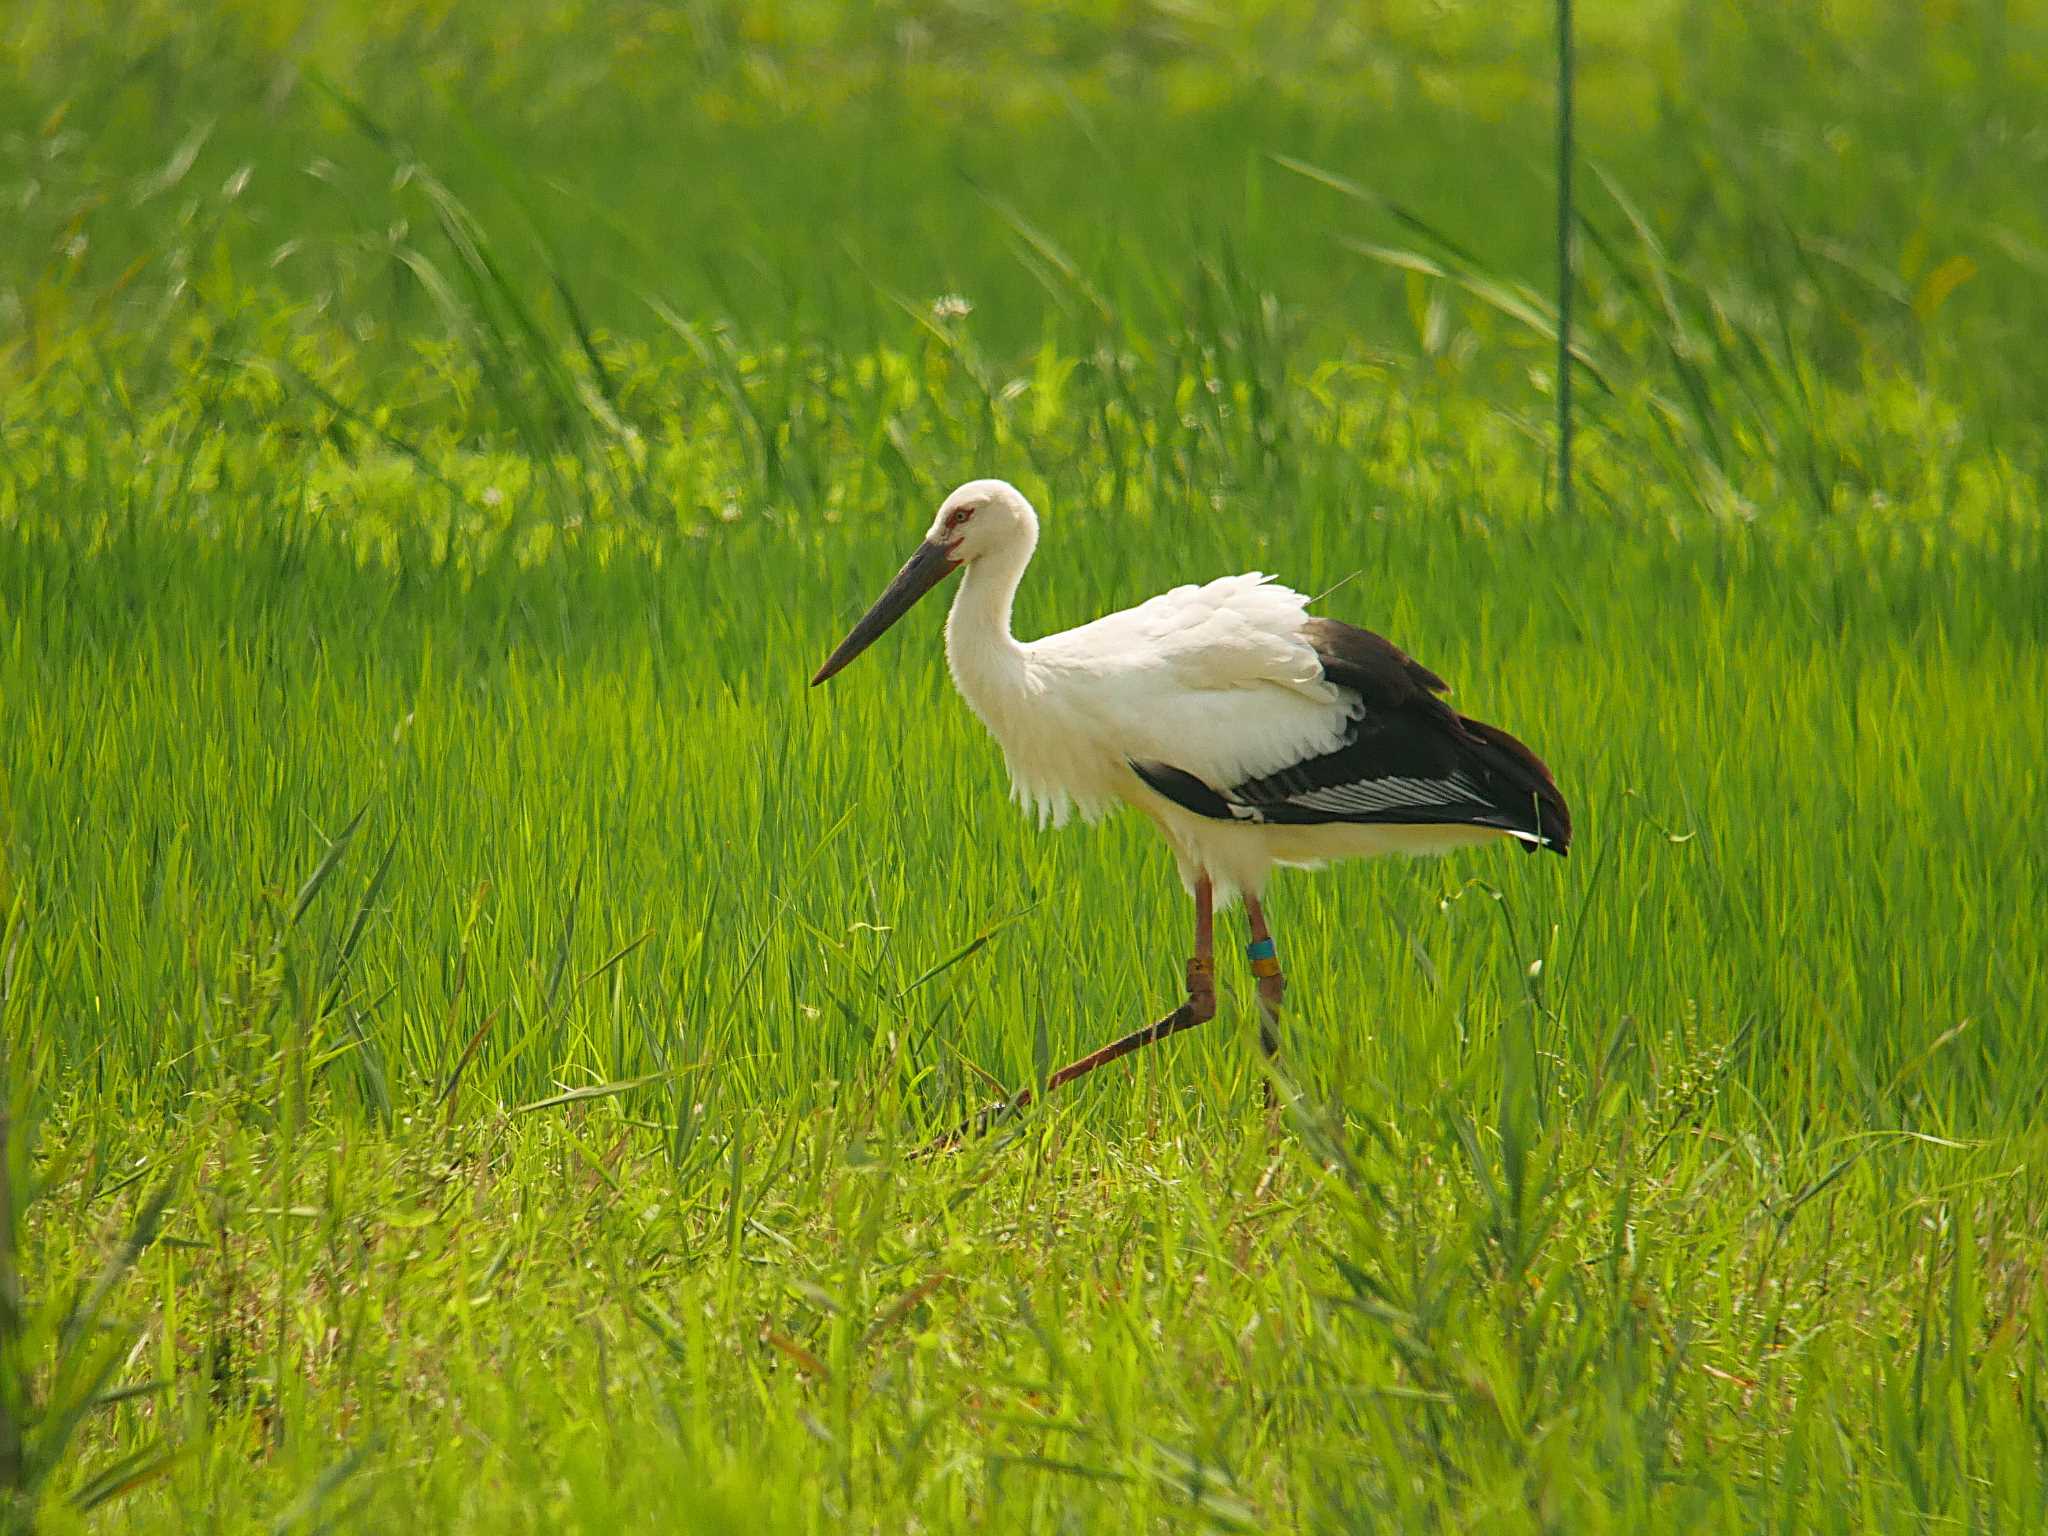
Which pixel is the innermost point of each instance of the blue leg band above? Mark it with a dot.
(1261, 949)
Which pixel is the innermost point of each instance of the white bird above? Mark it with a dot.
(1250, 733)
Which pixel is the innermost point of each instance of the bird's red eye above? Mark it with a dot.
(958, 516)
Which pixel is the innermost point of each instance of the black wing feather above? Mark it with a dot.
(1407, 759)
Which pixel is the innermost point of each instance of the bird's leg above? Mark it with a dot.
(1265, 960)
(1198, 1009)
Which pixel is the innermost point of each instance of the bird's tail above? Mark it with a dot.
(1525, 785)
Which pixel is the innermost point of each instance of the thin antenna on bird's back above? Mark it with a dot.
(1339, 582)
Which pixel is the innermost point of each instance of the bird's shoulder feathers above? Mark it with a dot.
(1233, 632)
(1382, 674)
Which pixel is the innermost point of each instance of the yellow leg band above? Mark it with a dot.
(1265, 965)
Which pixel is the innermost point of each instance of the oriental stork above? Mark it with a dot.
(1249, 732)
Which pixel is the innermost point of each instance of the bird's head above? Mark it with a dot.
(982, 520)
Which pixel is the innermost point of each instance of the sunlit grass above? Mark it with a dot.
(421, 855)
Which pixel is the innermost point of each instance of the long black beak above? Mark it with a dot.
(924, 570)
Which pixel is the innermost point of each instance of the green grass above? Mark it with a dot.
(469, 1010)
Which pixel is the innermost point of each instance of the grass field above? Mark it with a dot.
(469, 1011)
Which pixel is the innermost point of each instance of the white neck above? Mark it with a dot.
(986, 660)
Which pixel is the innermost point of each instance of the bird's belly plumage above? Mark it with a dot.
(1053, 779)
(1238, 856)
(1055, 768)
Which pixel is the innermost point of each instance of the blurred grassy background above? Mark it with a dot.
(787, 166)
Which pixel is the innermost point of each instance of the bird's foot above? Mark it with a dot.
(1198, 1009)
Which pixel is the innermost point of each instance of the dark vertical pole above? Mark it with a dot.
(1564, 255)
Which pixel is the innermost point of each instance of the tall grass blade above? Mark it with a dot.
(1566, 483)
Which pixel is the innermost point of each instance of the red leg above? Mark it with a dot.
(1198, 1009)
(1265, 966)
